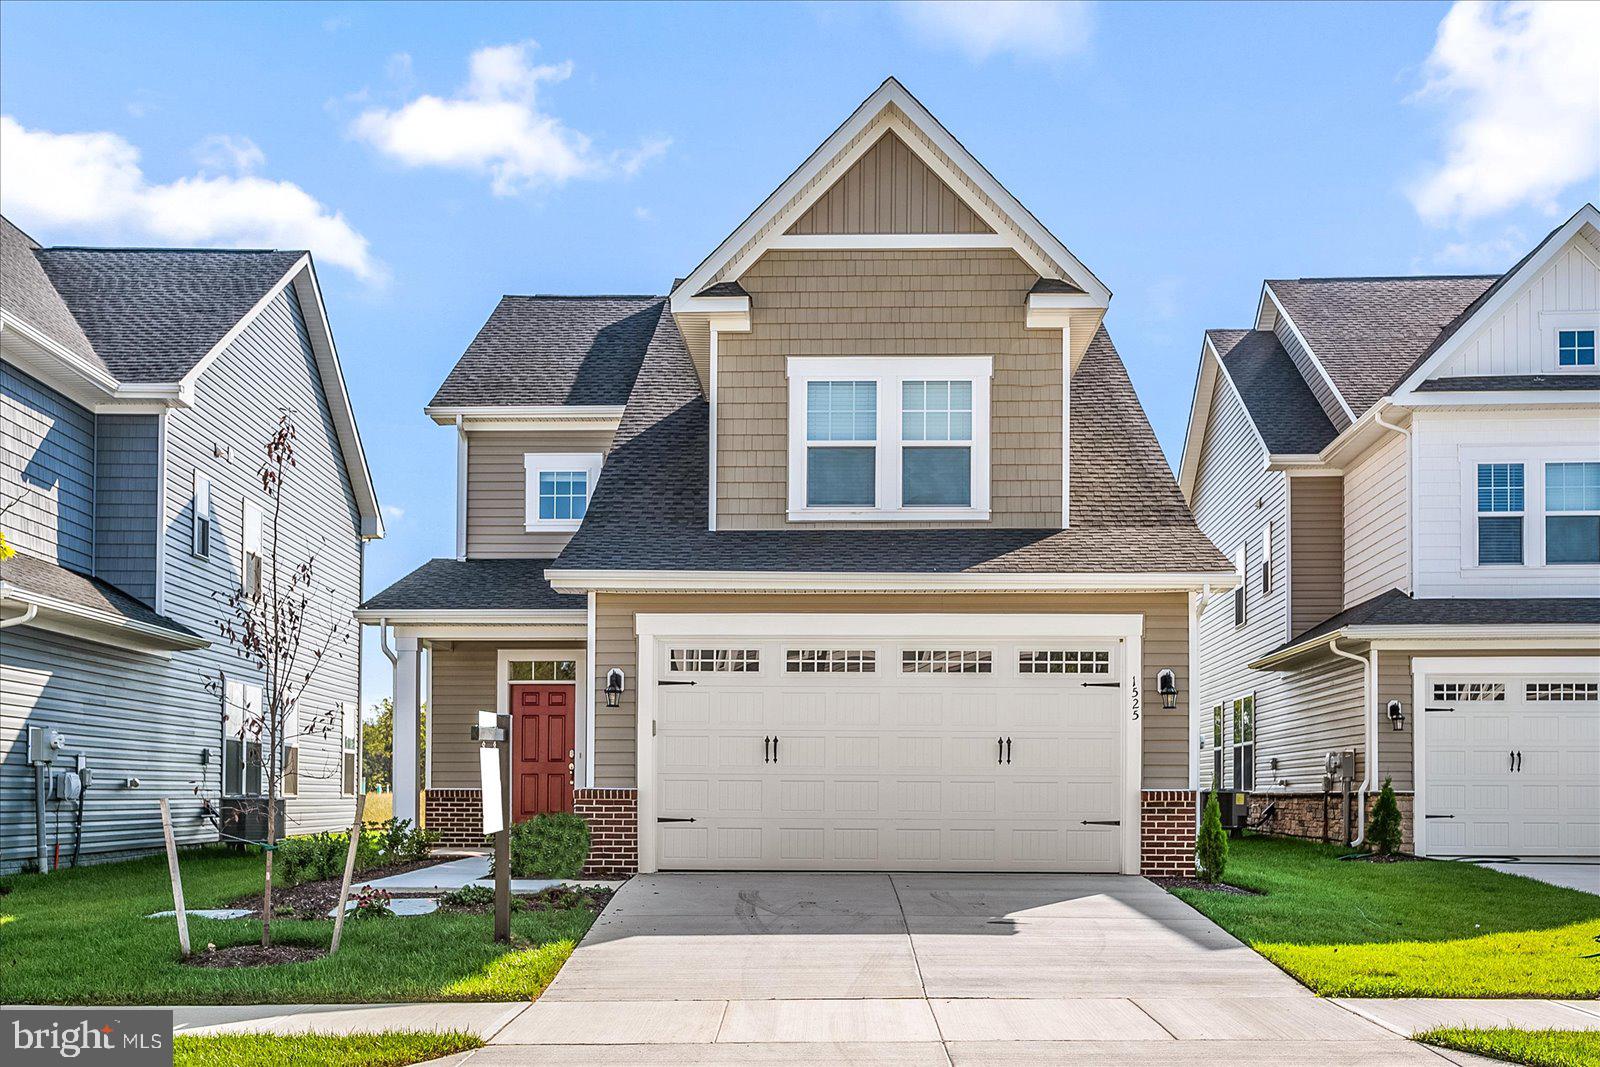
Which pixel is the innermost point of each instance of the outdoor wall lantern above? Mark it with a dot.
(1397, 715)
(614, 684)
(1167, 686)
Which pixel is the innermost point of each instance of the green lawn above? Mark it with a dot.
(392, 1049)
(1537, 1048)
(1418, 929)
(80, 937)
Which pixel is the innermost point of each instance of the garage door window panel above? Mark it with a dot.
(830, 661)
(714, 660)
(1063, 661)
(946, 661)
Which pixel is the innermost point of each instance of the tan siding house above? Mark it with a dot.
(881, 567)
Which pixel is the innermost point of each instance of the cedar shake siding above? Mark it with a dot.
(47, 464)
(1166, 644)
(889, 190)
(127, 502)
(932, 303)
(1316, 550)
(497, 490)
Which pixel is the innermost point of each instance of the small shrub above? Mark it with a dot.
(469, 896)
(372, 903)
(554, 845)
(401, 842)
(1211, 847)
(1384, 831)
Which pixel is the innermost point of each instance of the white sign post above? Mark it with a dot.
(493, 733)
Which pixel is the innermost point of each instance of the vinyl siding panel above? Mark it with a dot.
(1315, 710)
(47, 464)
(127, 503)
(1235, 498)
(268, 368)
(889, 190)
(1377, 521)
(949, 303)
(497, 490)
(1517, 340)
(133, 715)
(1316, 550)
(1166, 644)
(1309, 370)
(1449, 444)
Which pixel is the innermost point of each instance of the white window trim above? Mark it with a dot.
(889, 372)
(238, 694)
(535, 463)
(349, 715)
(1267, 585)
(252, 540)
(290, 739)
(1551, 323)
(1241, 592)
(1234, 744)
(1533, 460)
(202, 509)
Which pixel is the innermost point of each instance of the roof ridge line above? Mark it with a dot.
(1387, 278)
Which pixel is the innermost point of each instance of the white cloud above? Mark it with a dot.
(1491, 254)
(496, 126)
(1520, 79)
(1033, 29)
(643, 214)
(394, 512)
(92, 183)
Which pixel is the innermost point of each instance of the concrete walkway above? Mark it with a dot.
(469, 870)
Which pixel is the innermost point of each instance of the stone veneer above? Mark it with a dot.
(1318, 816)
(1166, 833)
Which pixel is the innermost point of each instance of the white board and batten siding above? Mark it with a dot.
(1449, 444)
(1520, 338)
(1231, 481)
(269, 367)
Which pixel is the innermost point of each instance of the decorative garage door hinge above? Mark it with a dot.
(669, 818)
(672, 681)
(1101, 822)
(1101, 685)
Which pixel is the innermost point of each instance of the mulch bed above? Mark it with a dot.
(553, 898)
(255, 956)
(1170, 884)
(314, 900)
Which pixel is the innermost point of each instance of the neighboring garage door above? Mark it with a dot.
(1512, 764)
(833, 753)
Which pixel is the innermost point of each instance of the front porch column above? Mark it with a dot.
(407, 694)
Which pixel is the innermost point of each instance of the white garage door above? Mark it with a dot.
(1512, 765)
(832, 753)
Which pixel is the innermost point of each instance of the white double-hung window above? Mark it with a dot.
(889, 438)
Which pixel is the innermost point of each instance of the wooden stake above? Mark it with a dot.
(349, 870)
(177, 881)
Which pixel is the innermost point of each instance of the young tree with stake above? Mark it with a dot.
(277, 627)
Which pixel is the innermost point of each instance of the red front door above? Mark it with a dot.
(542, 733)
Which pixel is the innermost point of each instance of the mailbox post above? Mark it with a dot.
(493, 734)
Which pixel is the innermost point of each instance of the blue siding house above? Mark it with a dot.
(137, 390)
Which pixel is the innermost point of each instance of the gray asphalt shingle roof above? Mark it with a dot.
(26, 292)
(34, 575)
(1397, 608)
(582, 350)
(649, 508)
(1368, 333)
(475, 584)
(152, 313)
(1275, 395)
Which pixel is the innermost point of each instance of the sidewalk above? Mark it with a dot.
(1414, 1015)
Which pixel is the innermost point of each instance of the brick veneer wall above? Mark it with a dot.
(456, 815)
(1319, 816)
(613, 817)
(1166, 833)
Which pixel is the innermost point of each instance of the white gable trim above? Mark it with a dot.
(1268, 295)
(1587, 215)
(1194, 440)
(787, 202)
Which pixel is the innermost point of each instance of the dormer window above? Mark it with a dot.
(558, 488)
(889, 438)
(1575, 348)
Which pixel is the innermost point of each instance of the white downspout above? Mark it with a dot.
(383, 642)
(21, 620)
(1370, 719)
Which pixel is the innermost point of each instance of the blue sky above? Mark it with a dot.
(1183, 152)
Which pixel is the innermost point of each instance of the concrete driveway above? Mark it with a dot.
(925, 969)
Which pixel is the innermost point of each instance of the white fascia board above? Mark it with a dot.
(582, 581)
(83, 383)
(886, 242)
(713, 305)
(885, 624)
(103, 627)
(486, 616)
(446, 414)
(1587, 215)
(1205, 388)
(1539, 398)
(1480, 635)
(826, 155)
(1046, 302)
(1268, 294)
